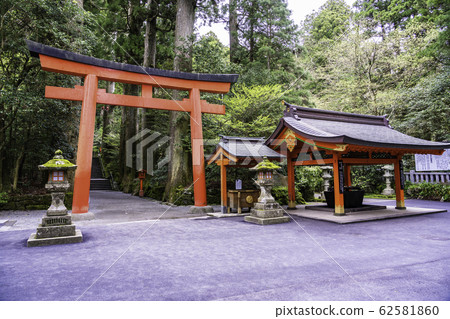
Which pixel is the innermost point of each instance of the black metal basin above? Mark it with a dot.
(353, 197)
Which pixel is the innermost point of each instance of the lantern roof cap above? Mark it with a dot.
(58, 162)
(265, 165)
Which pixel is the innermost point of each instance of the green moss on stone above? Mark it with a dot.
(265, 165)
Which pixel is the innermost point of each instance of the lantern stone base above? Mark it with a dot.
(267, 214)
(55, 230)
(35, 242)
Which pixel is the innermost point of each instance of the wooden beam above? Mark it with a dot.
(367, 161)
(314, 162)
(57, 65)
(76, 94)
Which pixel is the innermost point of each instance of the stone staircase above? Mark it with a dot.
(98, 182)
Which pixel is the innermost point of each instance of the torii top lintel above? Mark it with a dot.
(61, 61)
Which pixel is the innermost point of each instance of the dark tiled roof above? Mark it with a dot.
(348, 128)
(38, 48)
(247, 147)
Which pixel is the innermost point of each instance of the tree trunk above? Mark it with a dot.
(127, 131)
(179, 168)
(234, 40)
(107, 115)
(252, 31)
(150, 36)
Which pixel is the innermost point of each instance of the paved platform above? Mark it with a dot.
(204, 258)
(363, 215)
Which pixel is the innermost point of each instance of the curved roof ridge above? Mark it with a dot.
(242, 138)
(328, 115)
(36, 48)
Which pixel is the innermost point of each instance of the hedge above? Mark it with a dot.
(31, 202)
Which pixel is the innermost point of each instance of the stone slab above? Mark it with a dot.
(364, 216)
(222, 215)
(269, 213)
(35, 242)
(55, 231)
(325, 208)
(267, 221)
(200, 210)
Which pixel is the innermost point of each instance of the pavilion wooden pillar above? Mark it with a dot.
(399, 186)
(291, 181)
(348, 175)
(338, 185)
(223, 185)
(82, 182)
(198, 158)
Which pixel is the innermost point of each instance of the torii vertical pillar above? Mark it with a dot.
(85, 145)
(198, 158)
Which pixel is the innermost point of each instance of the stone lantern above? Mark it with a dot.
(388, 175)
(326, 175)
(266, 211)
(56, 227)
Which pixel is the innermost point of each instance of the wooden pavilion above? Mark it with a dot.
(235, 151)
(319, 137)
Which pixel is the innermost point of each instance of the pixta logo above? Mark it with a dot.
(147, 150)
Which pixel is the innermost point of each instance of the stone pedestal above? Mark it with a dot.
(267, 214)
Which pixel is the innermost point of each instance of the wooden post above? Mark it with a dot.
(348, 175)
(198, 158)
(223, 185)
(399, 184)
(291, 181)
(338, 186)
(82, 183)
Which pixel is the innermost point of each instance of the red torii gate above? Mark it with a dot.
(93, 70)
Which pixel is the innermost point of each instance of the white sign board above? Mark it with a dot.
(428, 162)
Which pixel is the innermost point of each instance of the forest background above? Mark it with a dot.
(379, 57)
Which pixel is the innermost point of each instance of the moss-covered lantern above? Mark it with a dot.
(57, 183)
(266, 211)
(56, 227)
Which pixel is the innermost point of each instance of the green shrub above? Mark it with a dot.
(428, 191)
(281, 195)
(4, 198)
(308, 180)
(31, 202)
(369, 178)
(183, 196)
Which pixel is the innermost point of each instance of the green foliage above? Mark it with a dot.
(308, 180)
(281, 196)
(4, 198)
(424, 109)
(331, 21)
(428, 191)
(250, 111)
(32, 127)
(369, 178)
(30, 202)
(183, 196)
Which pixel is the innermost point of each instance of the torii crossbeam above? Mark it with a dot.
(93, 70)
